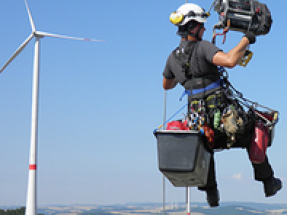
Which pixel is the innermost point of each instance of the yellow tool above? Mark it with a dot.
(247, 57)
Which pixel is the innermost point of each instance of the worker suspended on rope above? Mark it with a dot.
(195, 65)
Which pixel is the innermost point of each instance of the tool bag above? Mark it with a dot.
(244, 16)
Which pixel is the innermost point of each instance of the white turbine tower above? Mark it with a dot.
(31, 201)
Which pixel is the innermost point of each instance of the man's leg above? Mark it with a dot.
(211, 178)
(263, 172)
(211, 187)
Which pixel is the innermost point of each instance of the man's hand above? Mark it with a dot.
(251, 37)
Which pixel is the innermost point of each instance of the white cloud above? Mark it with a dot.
(237, 176)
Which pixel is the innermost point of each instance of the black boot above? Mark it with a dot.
(271, 186)
(213, 197)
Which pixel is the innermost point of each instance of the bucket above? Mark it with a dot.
(182, 157)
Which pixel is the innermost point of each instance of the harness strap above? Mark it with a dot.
(211, 86)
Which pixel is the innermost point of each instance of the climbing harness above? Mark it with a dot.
(223, 111)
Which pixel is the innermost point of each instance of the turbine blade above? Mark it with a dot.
(17, 52)
(30, 17)
(66, 37)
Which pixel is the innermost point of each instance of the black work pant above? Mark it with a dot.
(262, 171)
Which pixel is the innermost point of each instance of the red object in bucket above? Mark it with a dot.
(259, 143)
(177, 125)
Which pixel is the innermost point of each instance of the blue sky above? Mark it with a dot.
(99, 102)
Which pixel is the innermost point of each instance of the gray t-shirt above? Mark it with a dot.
(204, 55)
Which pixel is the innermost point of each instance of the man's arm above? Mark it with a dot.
(234, 56)
(169, 83)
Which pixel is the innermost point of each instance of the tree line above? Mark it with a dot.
(18, 211)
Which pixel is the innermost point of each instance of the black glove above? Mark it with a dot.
(251, 37)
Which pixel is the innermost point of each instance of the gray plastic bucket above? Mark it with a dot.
(182, 157)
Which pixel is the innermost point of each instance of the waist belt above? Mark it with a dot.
(207, 88)
(211, 86)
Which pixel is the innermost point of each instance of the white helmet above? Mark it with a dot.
(188, 12)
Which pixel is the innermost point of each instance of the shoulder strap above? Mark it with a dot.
(183, 57)
(193, 58)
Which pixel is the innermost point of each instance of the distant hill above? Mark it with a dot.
(258, 206)
(226, 208)
(229, 210)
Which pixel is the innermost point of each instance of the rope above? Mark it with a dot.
(212, 6)
(164, 109)
(171, 117)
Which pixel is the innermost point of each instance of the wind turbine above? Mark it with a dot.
(31, 201)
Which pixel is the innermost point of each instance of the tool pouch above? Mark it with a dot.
(233, 123)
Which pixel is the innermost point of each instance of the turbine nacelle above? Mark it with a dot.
(38, 34)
